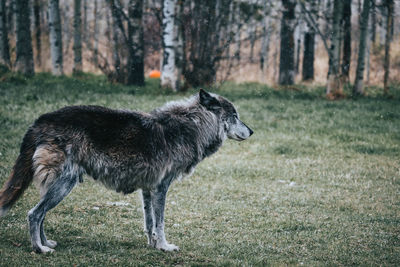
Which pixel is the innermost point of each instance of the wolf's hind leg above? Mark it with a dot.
(61, 187)
(45, 241)
(158, 204)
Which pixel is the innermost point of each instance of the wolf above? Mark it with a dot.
(125, 150)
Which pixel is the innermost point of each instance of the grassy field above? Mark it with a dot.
(317, 184)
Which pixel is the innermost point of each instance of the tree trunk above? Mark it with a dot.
(55, 38)
(266, 32)
(373, 23)
(135, 43)
(77, 37)
(368, 58)
(36, 14)
(24, 60)
(168, 72)
(4, 46)
(95, 58)
(334, 86)
(389, 28)
(309, 45)
(65, 17)
(179, 40)
(238, 28)
(298, 45)
(11, 19)
(308, 56)
(286, 65)
(252, 31)
(108, 28)
(115, 33)
(346, 24)
(85, 21)
(358, 83)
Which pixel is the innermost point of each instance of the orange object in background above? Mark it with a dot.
(155, 74)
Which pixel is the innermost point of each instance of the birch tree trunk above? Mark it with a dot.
(24, 59)
(389, 28)
(334, 86)
(135, 43)
(286, 65)
(346, 20)
(168, 72)
(4, 46)
(77, 37)
(55, 37)
(358, 83)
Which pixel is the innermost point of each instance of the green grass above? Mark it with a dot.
(317, 184)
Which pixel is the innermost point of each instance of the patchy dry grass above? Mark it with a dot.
(317, 184)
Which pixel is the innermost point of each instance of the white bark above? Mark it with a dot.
(55, 38)
(168, 72)
(358, 83)
(333, 84)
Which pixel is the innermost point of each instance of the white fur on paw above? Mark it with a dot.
(44, 249)
(167, 247)
(51, 243)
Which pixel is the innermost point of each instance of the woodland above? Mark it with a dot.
(332, 43)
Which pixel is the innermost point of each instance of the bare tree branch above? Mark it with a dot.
(311, 21)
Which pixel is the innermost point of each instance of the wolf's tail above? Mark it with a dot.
(20, 177)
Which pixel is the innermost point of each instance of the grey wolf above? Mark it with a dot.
(124, 150)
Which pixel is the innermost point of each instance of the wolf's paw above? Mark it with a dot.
(167, 247)
(43, 249)
(50, 243)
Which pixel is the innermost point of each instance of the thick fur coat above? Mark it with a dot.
(124, 150)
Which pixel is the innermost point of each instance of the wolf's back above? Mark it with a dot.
(21, 175)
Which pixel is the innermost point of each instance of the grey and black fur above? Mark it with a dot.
(125, 150)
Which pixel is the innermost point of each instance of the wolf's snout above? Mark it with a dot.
(250, 131)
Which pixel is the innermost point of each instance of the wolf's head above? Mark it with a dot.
(233, 126)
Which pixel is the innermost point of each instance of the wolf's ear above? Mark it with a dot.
(208, 101)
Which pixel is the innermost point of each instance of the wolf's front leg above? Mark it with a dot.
(148, 216)
(158, 205)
